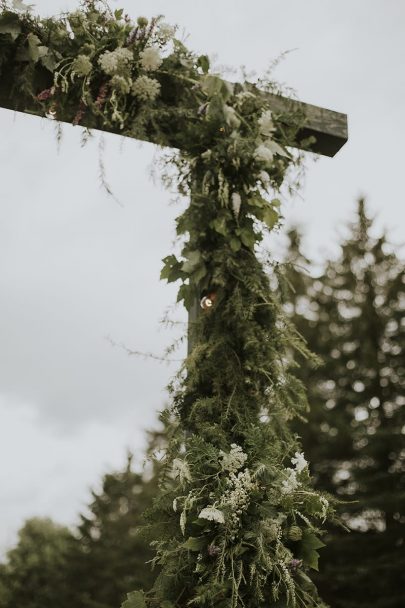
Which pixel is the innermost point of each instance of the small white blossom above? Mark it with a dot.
(236, 498)
(236, 203)
(290, 484)
(264, 177)
(166, 31)
(299, 462)
(175, 505)
(264, 153)
(266, 125)
(150, 59)
(82, 65)
(181, 470)
(236, 458)
(183, 521)
(115, 62)
(325, 506)
(121, 84)
(145, 88)
(212, 514)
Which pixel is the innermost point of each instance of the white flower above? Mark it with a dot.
(299, 462)
(230, 116)
(266, 125)
(264, 177)
(121, 84)
(166, 31)
(236, 203)
(212, 514)
(236, 458)
(181, 470)
(183, 521)
(175, 505)
(325, 506)
(115, 62)
(145, 88)
(82, 65)
(264, 154)
(290, 484)
(150, 59)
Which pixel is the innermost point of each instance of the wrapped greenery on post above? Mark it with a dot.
(238, 522)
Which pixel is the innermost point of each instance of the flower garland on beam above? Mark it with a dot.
(237, 522)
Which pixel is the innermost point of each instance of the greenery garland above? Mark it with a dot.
(237, 522)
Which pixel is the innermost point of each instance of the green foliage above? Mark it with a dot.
(112, 552)
(136, 599)
(34, 574)
(227, 479)
(353, 316)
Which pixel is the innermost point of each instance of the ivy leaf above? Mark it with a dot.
(171, 270)
(195, 543)
(186, 293)
(235, 244)
(248, 237)
(18, 5)
(276, 148)
(49, 61)
(199, 273)
(193, 260)
(118, 13)
(219, 225)
(214, 85)
(204, 63)
(35, 49)
(135, 599)
(10, 24)
(270, 217)
(308, 549)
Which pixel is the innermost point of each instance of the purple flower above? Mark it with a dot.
(213, 550)
(295, 564)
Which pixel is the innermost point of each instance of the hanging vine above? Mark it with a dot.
(237, 522)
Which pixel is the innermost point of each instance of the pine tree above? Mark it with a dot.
(111, 555)
(353, 317)
(34, 572)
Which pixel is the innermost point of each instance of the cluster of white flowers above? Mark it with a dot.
(150, 59)
(299, 462)
(181, 470)
(212, 514)
(121, 84)
(266, 124)
(264, 153)
(115, 62)
(82, 65)
(235, 459)
(237, 497)
(145, 88)
(291, 483)
(166, 31)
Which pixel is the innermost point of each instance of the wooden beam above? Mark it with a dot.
(329, 128)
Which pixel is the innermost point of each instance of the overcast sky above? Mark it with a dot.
(77, 269)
